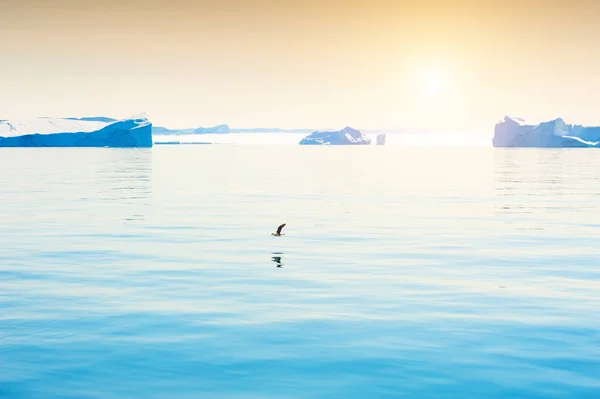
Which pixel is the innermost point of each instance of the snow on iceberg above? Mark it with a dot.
(514, 132)
(76, 132)
(346, 136)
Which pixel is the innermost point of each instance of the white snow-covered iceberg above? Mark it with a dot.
(76, 132)
(346, 136)
(514, 132)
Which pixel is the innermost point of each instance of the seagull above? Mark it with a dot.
(279, 233)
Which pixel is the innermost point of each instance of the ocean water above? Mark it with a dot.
(405, 272)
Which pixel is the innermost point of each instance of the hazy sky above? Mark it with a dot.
(266, 63)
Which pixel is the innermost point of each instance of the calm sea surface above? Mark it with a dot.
(404, 272)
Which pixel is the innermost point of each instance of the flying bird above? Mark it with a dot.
(278, 232)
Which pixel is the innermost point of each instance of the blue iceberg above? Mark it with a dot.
(346, 136)
(76, 132)
(514, 132)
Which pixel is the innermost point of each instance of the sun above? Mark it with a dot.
(434, 81)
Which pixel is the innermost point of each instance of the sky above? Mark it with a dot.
(421, 65)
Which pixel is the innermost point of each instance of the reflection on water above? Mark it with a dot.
(128, 175)
(534, 184)
(91, 182)
(277, 258)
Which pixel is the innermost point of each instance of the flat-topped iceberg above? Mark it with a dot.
(346, 136)
(76, 132)
(514, 132)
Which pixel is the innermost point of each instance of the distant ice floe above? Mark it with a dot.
(219, 129)
(76, 132)
(515, 132)
(381, 138)
(346, 136)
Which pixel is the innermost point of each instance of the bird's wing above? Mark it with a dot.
(280, 228)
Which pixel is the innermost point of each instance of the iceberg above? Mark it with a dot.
(219, 129)
(346, 136)
(163, 130)
(514, 132)
(381, 139)
(214, 129)
(76, 132)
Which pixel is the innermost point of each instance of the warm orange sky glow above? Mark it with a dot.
(458, 65)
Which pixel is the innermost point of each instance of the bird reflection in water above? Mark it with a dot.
(277, 258)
